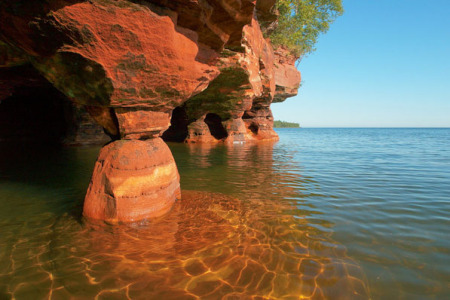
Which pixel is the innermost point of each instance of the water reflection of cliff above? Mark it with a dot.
(247, 234)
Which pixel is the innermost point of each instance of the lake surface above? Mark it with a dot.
(322, 214)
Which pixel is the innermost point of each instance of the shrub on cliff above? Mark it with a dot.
(301, 21)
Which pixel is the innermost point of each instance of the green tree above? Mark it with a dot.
(301, 21)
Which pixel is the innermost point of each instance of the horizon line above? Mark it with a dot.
(412, 127)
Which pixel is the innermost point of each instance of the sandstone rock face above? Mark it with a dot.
(287, 77)
(105, 117)
(186, 70)
(87, 130)
(208, 129)
(133, 180)
(249, 81)
(141, 123)
(217, 22)
(266, 14)
(122, 54)
(131, 56)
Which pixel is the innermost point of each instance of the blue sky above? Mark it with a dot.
(384, 63)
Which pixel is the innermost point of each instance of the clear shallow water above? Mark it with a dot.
(323, 213)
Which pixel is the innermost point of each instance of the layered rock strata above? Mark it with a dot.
(194, 71)
(236, 105)
(132, 180)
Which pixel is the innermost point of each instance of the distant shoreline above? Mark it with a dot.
(284, 124)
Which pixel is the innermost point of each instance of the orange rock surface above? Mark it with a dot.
(144, 58)
(187, 70)
(240, 97)
(287, 77)
(132, 180)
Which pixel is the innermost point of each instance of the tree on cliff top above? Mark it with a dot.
(301, 21)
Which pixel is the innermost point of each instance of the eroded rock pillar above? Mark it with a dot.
(135, 178)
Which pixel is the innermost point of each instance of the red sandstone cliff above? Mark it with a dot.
(136, 67)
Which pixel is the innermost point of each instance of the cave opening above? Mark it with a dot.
(254, 128)
(248, 115)
(38, 114)
(32, 110)
(215, 126)
(178, 130)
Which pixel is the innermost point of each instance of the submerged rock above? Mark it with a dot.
(133, 180)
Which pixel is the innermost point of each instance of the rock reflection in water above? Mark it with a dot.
(209, 246)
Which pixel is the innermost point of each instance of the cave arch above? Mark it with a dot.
(32, 110)
(36, 114)
(254, 128)
(178, 130)
(215, 126)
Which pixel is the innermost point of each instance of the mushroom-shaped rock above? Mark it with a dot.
(133, 180)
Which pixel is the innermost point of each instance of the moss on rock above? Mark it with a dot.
(222, 95)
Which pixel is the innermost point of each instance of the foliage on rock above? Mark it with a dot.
(300, 23)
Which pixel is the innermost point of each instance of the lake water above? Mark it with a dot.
(322, 214)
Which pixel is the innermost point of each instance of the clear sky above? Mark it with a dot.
(384, 63)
